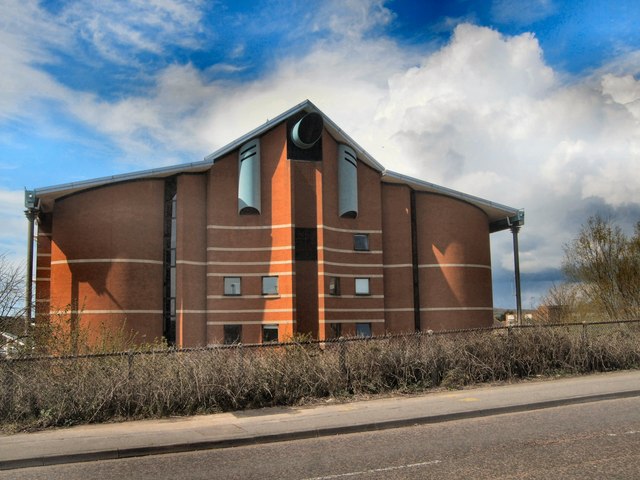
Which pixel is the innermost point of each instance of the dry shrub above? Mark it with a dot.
(36, 393)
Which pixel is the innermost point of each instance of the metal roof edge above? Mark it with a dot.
(210, 159)
(305, 105)
(268, 125)
(153, 172)
(411, 181)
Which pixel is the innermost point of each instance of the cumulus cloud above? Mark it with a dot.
(483, 114)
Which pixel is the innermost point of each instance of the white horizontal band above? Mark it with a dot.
(250, 227)
(453, 309)
(245, 274)
(352, 275)
(344, 250)
(362, 297)
(398, 265)
(276, 262)
(248, 249)
(102, 312)
(106, 260)
(257, 310)
(453, 265)
(352, 309)
(350, 320)
(363, 265)
(238, 297)
(347, 230)
(42, 279)
(254, 322)
(399, 309)
(43, 255)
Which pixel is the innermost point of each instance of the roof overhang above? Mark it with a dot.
(500, 216)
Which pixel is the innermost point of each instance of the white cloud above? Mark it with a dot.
(484, 114)
(522, 12)
(13, 234)
(120, 31)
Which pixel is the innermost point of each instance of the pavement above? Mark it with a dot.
(180, 434)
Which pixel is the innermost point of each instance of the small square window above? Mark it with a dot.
(270, 285)
(361, 242)
(362, 286)
(269, 333)
(363, 329)
(334, 286)
(232, 334)
(232, 286)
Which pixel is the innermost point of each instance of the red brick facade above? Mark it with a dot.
(173, 245)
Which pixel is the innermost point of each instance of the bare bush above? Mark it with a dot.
(44, 392)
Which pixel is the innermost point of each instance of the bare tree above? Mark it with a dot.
(11, 303)
(605, 265)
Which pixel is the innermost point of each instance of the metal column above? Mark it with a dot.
(516, 261)
(31, 214)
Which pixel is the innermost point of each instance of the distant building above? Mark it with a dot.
(291, 228)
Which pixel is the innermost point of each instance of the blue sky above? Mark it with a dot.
(533, 104)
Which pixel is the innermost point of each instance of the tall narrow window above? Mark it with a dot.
(232, 286)
(334, 286)
(362, 286)
(269, 285)
(232, 334)
(306, 244)
(169, 264)
(336, 330)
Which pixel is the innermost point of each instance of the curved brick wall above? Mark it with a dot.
(106, 257)
(454, 264)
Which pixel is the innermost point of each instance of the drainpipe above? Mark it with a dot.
(31, 213)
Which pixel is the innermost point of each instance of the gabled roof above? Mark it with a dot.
(500, 216)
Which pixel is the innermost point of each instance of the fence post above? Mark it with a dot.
(584, 332)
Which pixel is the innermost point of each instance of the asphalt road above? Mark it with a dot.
(599, 440)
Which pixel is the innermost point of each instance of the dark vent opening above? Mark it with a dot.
(313, 153)
(249, 211)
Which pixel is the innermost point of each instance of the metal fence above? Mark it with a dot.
(584, 329)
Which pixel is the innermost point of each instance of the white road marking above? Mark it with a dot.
(375, 470)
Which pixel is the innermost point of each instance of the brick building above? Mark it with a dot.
(291, 228)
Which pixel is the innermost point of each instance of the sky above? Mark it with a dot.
(532, 104)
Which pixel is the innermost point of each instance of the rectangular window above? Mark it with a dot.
(334, 286)
(362, 286)
(269, 285)
(361, 242)
(363, 329)
(306, 244)
(269, 333)
(232, 334)
(232, 286)
(336, 330)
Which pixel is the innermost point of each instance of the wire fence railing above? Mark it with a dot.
(42, 391)
(583, 327)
